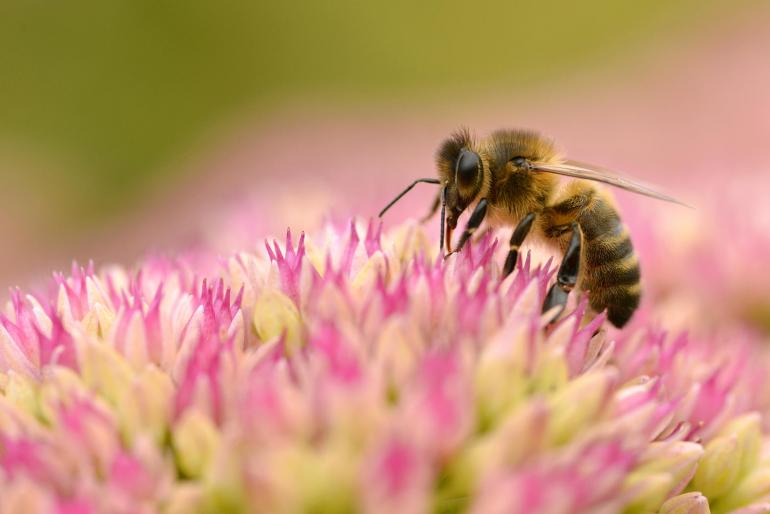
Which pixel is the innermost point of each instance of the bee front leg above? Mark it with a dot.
(473, 223)
(567, 276)
(517, 238)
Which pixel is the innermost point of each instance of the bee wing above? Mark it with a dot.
(589, 172)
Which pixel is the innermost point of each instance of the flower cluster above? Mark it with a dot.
(357, 372)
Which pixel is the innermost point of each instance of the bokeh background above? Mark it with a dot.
(132, 127)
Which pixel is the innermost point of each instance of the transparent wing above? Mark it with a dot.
(590, 172)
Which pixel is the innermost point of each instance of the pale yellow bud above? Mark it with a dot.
(689, 503)
(275, 315)
(368, 273)
(677, 458)
(103, 369)
(754, 508)
(748, 431)
(719, 468)
(577, 404)
(195, 443)
(551, 371)
(146, 407)
(647, 491)
(21, 393)
(752, 488)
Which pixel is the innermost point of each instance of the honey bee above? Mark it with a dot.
(511, 179)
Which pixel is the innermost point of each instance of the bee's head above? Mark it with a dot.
(462, 170)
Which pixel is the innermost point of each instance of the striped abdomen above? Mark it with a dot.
(610, 271)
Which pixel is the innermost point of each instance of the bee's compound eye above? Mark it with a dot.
(468, 165)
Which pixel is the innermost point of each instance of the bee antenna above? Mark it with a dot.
(405, 191)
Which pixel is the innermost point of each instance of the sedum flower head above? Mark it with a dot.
(355, 371)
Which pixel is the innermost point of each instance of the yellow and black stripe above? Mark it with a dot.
(611, 268)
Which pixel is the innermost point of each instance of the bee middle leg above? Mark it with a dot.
(517, 238)
(567, 276)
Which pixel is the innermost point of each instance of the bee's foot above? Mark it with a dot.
(566, 277)
(510, 262)
(556, 301)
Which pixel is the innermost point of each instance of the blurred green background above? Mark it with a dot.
(102, 101)
(98, 99)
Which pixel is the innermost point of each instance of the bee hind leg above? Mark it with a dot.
(517, 238)
(566, 277)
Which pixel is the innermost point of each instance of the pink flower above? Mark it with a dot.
(354, 371)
